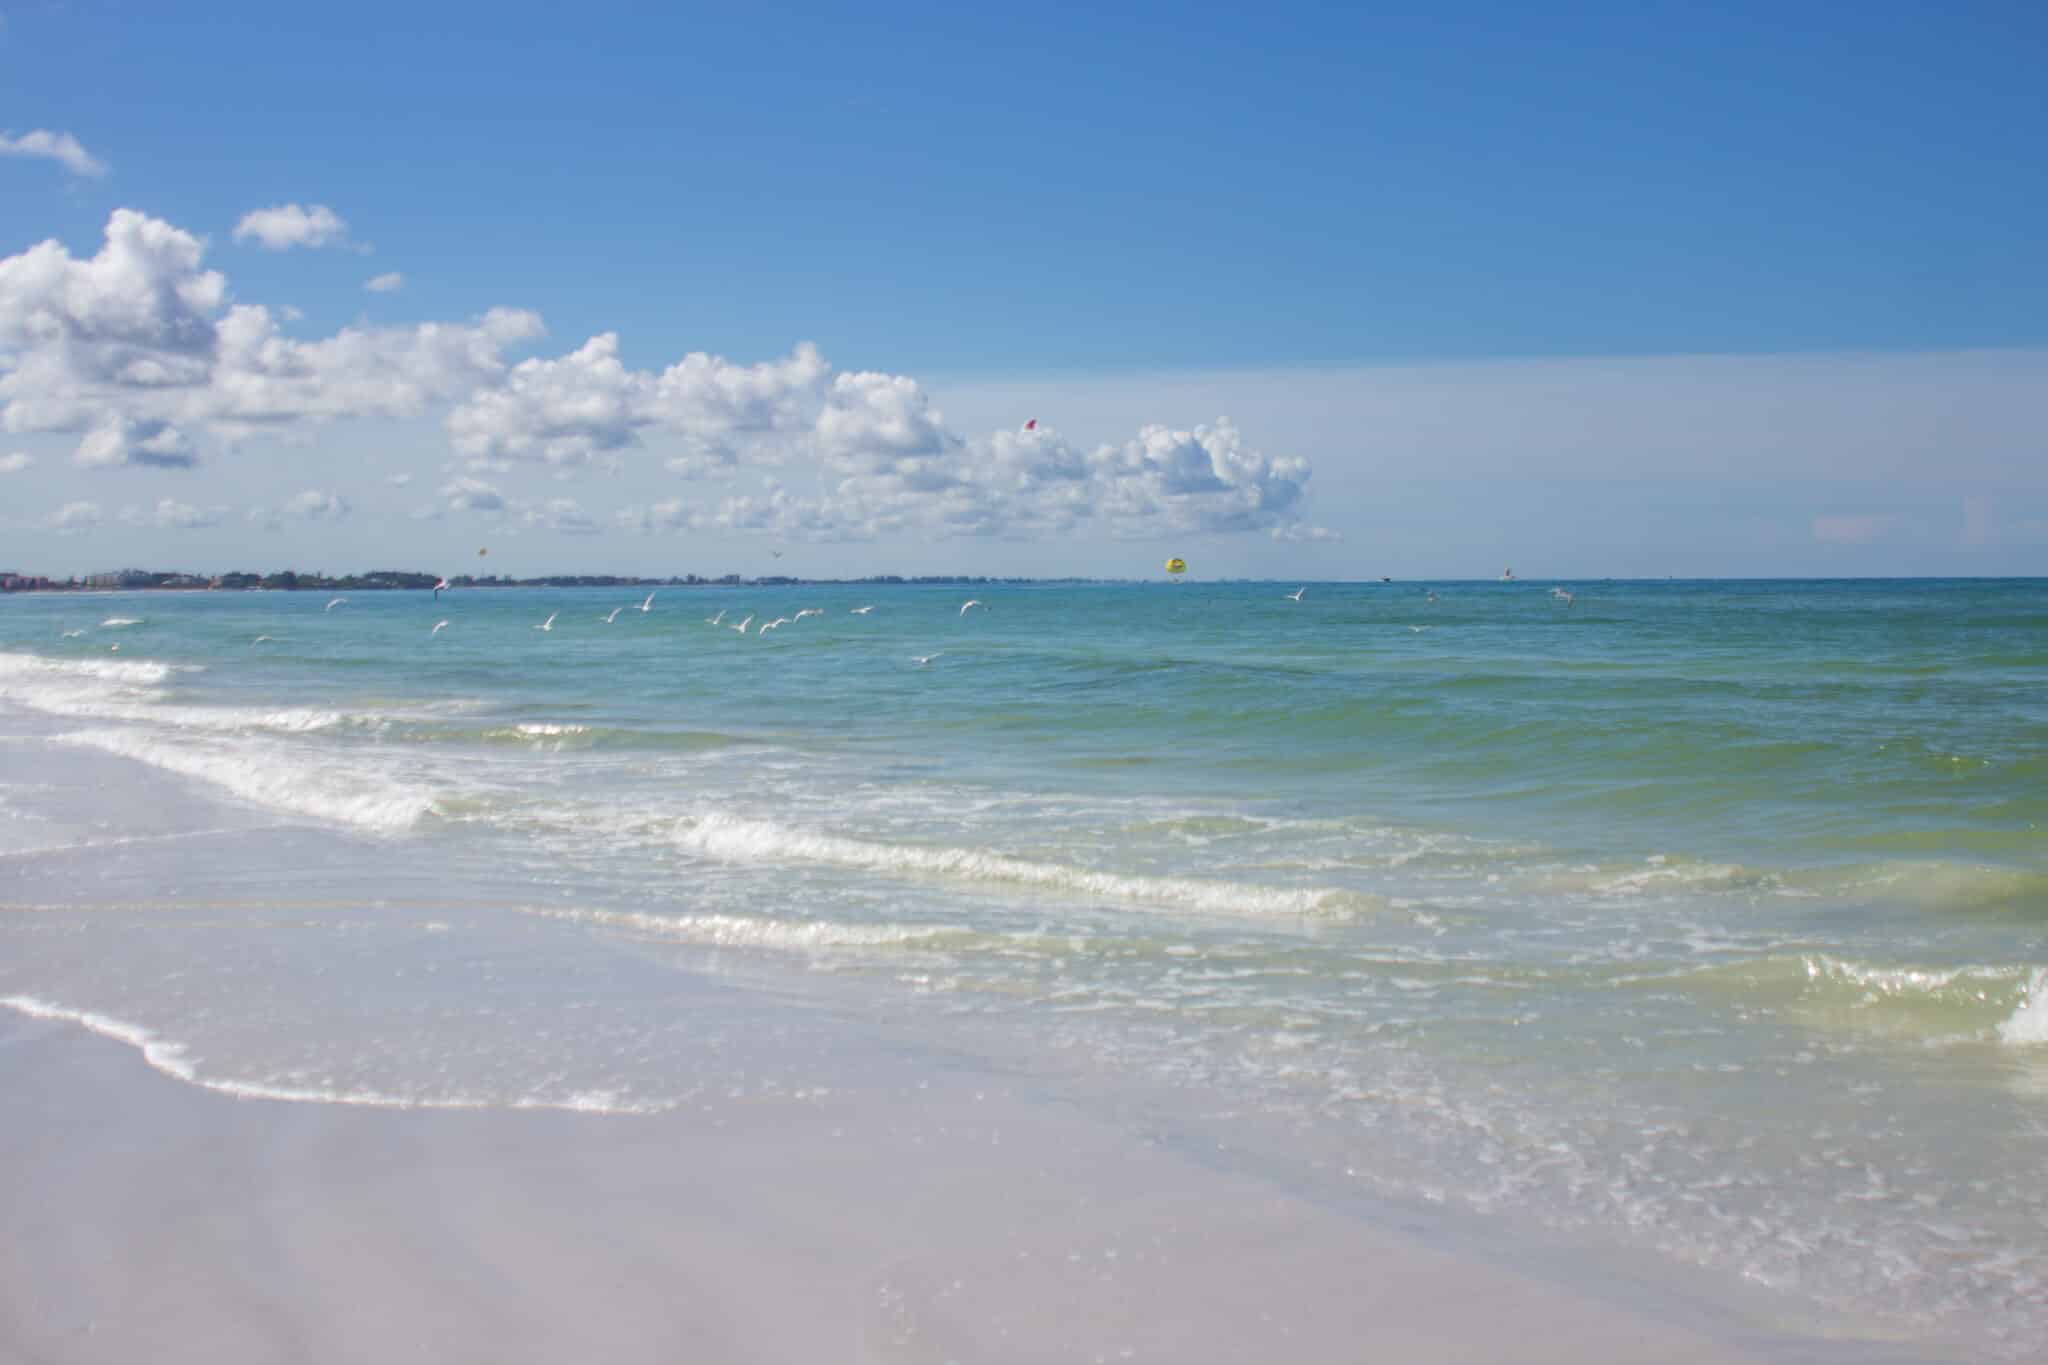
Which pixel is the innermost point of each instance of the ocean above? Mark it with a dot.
(1700, 923)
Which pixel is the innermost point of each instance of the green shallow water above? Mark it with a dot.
(1708, 918)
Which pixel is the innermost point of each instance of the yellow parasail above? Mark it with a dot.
(1176, 565)
(484, 551)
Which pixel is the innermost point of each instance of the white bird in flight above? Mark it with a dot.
(923, 659)
(970, 602)
(439, 626)
(614, 616)
(862, 611)
(1295, 596)
(648, 605)
(778, 621)
(714, 620)
(73, 634)
(808, 611)
(261, 638)
(439, 585)
(334, 603)
(742, 626)
(548, 624)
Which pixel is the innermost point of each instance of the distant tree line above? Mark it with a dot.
(293, 580)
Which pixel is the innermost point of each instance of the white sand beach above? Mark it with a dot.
(903, 1221)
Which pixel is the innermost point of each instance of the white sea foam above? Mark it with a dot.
(2029, 1023)
(1661, 873)
(114, 622)
(270, 777)
(33, 669)
(174, 1060)
(131, 690)
(1960, 996)
(746, 931)
(732, 839)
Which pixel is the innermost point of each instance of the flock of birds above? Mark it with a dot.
(1559, 594)
(742, 626)
(747, 623)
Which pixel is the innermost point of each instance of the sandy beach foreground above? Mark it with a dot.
(902, 1221)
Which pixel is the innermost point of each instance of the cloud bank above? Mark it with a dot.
(140, 353)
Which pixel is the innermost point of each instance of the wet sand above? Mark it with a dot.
(912, 1220)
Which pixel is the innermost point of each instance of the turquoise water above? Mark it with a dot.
(1701, 917)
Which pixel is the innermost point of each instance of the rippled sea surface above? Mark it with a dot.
(1702, 918)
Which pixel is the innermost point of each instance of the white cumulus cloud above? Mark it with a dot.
(289, 225)
(390, 282)
(76, 516)
(123, 440)
(587, 405)
(558, 514)
(15, 463)
(315, 505)
(170, 514)
(887, 461)
(62, 148)
(138, 351)
(466, 494)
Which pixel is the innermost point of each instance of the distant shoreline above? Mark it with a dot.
(410, 582)
(385, 581)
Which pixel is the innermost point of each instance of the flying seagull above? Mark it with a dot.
(334, 603)
(439, 626)
(648, 605)
(614, 616)
(970, 602)
(548, 624)
(1295, 596)
(742, 626)
(862, 611)
(714, 620)
(923, 659)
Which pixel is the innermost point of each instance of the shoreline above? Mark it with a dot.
(905, 1220)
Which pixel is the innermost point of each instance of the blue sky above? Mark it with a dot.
(1372, 237)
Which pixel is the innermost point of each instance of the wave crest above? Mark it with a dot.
(377, 805)
(733, 839)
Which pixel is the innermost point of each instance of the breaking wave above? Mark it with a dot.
(732, 839)
(2003, 1002)
(26, 671)
(363, 801)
